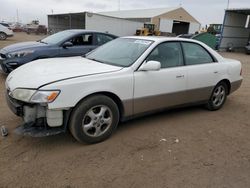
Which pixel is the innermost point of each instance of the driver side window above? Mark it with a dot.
(168, 54)
(82, 40)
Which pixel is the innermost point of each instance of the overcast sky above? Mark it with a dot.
(205, 11)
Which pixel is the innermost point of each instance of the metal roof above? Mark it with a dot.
(239, 10)
(139, 13)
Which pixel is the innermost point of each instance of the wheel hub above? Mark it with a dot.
(97, 121)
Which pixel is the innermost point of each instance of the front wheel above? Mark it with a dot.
(218, 97)
(3, 36)
(94, 119)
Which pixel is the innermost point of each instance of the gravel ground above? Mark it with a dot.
(188, 147)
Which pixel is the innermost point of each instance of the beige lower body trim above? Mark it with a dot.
(235, 85)
(156, 102)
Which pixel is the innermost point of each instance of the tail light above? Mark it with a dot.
(9, 28)
(241, 71)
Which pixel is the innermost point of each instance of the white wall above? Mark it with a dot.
(166, 25)
(116, 26)
(193, 27)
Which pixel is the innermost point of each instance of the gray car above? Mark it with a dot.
(62, 44)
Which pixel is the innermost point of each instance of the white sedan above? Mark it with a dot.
(127, 77)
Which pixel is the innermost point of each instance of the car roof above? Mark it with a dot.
(76, 31)
(161, 38)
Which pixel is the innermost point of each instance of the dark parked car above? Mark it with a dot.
(248, 48)
(62, 44)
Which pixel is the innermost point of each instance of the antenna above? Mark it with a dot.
(119, 4)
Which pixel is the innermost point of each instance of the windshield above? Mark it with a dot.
(56, 38)
(121, 52)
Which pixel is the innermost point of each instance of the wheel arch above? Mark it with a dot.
(228, 83)
(111, 95)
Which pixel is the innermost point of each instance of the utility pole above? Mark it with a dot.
(17, 16)
(180, 4)
(228, 2)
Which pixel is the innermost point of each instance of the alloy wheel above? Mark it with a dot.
(97, 121)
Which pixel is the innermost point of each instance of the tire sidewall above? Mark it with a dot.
(82, 108)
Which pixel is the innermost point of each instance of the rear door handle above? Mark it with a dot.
(216, 72)
(180, 76)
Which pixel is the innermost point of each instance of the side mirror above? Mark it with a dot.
(150, 66)
(67, 44)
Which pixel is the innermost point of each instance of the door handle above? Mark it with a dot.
(216, 72)
(180, 76)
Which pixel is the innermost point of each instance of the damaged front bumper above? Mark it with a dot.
(39, 121)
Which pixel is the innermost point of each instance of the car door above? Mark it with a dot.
(203, 72)
(82, 44)
(159, 89)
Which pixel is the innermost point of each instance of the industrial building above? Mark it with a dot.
(172, 20)
(235, 29)
(92, 21)
(126, 22)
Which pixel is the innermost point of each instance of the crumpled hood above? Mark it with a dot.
(22, 46)
(44, 71)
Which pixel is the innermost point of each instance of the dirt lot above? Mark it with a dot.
(188, 147)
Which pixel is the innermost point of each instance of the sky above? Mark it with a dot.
(205, 11)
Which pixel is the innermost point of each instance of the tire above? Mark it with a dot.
(218, 97)
(3, 36)
(94, 119)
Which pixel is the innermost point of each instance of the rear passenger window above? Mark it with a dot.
(195, 54)
(102, 39)
(168, 54)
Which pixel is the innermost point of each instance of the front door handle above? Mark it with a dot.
(180, 76)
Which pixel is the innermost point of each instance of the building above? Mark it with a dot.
(92, 21)
(235, 29)
(172, 20)
(126, 22)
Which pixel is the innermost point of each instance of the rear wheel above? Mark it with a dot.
(94, 119)
(218, 97)
(3, 36)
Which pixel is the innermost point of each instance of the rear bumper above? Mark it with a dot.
(235, 85)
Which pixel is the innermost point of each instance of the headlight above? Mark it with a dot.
(44, 96)
(23, 94)
(20, 54)
(34, 96)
